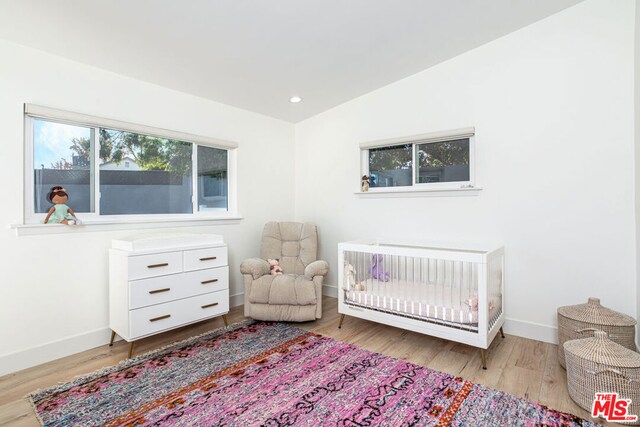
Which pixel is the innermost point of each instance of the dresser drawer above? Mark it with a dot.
(143, 266)
(157, 290)
(157, 318)
(205, 258)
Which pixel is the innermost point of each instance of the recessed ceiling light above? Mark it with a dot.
(295, 99)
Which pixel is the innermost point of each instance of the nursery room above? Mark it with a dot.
(320, 213)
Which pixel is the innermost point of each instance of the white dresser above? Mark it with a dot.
(158, 283)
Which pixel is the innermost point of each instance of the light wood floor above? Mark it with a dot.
(516, 365)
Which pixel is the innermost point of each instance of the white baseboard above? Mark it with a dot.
(38, 355)
(236, 300)
(44, 353)
(330, 291)
(531, 330)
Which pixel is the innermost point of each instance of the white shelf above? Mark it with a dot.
(419, 192)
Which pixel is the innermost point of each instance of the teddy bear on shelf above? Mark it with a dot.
(274, 266)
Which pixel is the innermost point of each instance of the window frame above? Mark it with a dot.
(415, 141)
(34, 112)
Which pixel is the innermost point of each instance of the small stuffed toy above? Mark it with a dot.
(376, 270)
(473, 303)
(274, 266)
(365, 183)
(59, 212)
(349, 276)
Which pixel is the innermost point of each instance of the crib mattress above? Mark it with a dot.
(429, 302)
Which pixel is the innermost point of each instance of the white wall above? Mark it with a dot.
(552, 105)
(54, 288)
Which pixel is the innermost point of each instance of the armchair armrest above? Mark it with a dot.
(316, 268)
(256, 267)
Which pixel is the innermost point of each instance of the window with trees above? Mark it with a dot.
(438, 160)
(117, 173)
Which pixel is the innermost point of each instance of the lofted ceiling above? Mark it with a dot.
(257, 54)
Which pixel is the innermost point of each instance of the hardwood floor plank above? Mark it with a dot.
(516, 365)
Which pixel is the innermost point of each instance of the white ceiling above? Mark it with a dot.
(255, 54)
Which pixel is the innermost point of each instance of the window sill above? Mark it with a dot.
(420, 192)
(104, 224)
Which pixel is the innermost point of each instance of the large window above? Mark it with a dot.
(438, 160)
(113, 173)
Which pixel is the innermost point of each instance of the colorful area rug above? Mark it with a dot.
(273, 374)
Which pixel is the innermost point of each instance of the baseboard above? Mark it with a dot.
(236, 300)
(330, 291)
(531, 330)
(44, 353)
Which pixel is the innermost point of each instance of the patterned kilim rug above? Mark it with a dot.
(273, 374)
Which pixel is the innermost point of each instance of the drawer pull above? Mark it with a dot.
(210, 305)
(157, 291)
(155, 319)
(209, 258)
(164, 264)
(209, 281)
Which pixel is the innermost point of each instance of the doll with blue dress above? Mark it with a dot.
(60, 213)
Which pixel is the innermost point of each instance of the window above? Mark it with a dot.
(111, 171)
(439, 160)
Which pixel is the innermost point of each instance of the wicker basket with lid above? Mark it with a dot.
(580, 321)
(599, 365)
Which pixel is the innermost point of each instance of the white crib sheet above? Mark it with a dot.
(425, 300)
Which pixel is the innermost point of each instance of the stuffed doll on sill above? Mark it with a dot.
(60, 213)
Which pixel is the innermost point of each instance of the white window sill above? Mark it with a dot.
(104, 224)
(420, 192)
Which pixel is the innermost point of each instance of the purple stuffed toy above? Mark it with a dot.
(377, 269)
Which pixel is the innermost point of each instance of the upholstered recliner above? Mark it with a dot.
(296, 295)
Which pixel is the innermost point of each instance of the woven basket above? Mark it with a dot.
(580, 321)
(599, 365)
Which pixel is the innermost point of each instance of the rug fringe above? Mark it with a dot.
(80, 379)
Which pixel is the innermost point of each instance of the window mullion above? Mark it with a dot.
(414, 165)
(95, 168)
(194, 178)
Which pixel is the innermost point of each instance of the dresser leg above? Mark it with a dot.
(113, 337)
(130, 349)
(226, 321)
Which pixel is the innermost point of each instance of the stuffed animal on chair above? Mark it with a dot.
(274, 266)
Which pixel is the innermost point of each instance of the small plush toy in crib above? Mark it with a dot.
(349, 275)
(60, 213)
(274, 266)
(473, 303)
(376, 270)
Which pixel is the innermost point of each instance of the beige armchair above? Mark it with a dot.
(296, 295)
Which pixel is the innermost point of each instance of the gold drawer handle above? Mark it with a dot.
(164, 264)
(155, 319)
(209, 258)
(209, 281)
(157, 291)
(210, 305)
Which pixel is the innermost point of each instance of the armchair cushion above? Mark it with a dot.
(287, 289)
(255, 266)
(316, 268)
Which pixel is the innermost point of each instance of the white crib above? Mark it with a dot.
(454, 292)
